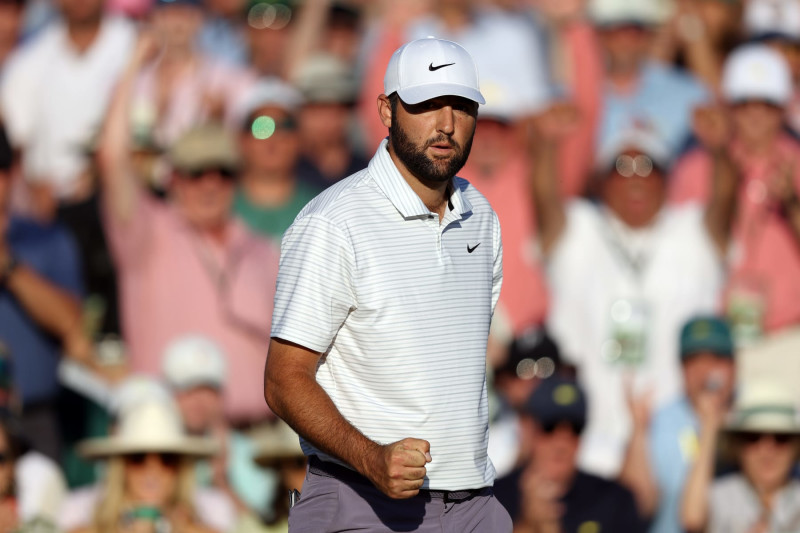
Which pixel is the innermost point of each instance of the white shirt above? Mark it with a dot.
(40, 486)
(735, 507)
(401, 309)
(592, 268)
(54, 99)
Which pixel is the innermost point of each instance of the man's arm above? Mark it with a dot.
(637, 473)
(54, 309)
(292, 392)
(712, 128)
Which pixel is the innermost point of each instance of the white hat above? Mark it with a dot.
(135, 390)
(275, 441)
(270, 91)
(148, 427)
(756, 72)
(193, 361)
(325, 78)
(429, 68)
(503, 102)
(772, 18)
(765, 408)
(645, 12)
(639, 136)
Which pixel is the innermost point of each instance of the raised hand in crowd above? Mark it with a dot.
(637, 473)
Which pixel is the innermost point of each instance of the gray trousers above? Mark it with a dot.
(332, 505)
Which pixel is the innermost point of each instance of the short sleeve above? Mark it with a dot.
(315, 290)
(65, 269)
(497, 270)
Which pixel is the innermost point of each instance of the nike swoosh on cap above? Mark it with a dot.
(432, 68)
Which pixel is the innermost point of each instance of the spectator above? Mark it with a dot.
(552, 493)
(223, 35)
(181, 86)
(500, 168)
(269, 32)
(638, 89)
(195, 368)
(661, 452)
(149, 476)
(187, 265)
(55, 90)
(764, 289)
(214, 508)
(325, 121)
(11, 12)
(652, 267)
(271, 193)
(764, 436)
(278, 449)
(40, 312)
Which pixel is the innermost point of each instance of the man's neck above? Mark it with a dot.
(268, 190)
(83, 34)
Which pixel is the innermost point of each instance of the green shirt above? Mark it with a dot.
(273, 221)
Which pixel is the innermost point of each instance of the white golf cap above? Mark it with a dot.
(429, 68)
(756, 72)
(772, 18)
(639, 136)
(616, 12)
(193, 361)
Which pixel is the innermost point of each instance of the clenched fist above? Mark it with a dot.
(398, 469)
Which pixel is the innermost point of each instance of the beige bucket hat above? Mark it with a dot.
(153, 426)
(275, 442)
(765, 407)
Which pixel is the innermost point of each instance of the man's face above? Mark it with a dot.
(321, 123)
(201, 408)
(766, 459)
(631, 192)
(555, 450)
(177, 25)
(706, 371)
(81, 11)
(755, 121)
(204, 198)
(494, 140)
(271, 144)
(432, 139)
(626, 47)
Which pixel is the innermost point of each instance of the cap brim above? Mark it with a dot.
(102, 448)
(420, 93)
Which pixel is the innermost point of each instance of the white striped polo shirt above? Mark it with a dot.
(400, 306)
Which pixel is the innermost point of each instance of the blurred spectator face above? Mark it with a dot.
(267, 50)
(226, 8)
(766, 460)
(6, 465)
(177, 25)
(201, 408)
(151, 478)
(321, 122)
(706, 371)
(626, 47)
(555, 449)
(204, 197)
(81, 11)
(493, 141)
(756, 121)
(271, 143)
(635, 189)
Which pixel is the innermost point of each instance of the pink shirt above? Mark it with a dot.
(766, 250)
(524, 294)
(174, 281)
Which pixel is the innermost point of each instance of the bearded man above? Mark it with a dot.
(386, 290)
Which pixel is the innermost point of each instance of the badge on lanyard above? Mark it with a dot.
(746, 306)
(629, 324)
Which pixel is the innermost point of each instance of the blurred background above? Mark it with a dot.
(642, 157)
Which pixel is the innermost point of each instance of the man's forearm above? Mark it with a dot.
(298, 399)
(722, 206)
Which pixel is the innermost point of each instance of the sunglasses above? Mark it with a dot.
(169, 460)
(227, 174)
(550, 427)
(263, 127)
(778, 438)
(629, 166)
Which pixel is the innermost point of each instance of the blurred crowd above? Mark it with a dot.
(643, 157)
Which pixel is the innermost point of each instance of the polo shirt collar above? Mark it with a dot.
(396, 188)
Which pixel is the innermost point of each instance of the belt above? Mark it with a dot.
(342, 473)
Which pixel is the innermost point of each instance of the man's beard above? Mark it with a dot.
(428, 170)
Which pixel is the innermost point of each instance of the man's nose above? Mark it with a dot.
(445, 120)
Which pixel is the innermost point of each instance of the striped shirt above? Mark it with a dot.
(400, 306)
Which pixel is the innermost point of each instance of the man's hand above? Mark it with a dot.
(711, 409)
(398, 469)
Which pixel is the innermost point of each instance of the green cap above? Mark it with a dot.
(706, 334)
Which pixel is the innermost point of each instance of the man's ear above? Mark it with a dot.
(385, 110)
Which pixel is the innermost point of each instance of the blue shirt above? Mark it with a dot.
(51, 252)
(664, 99)
(673, 441)
(225, 41)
